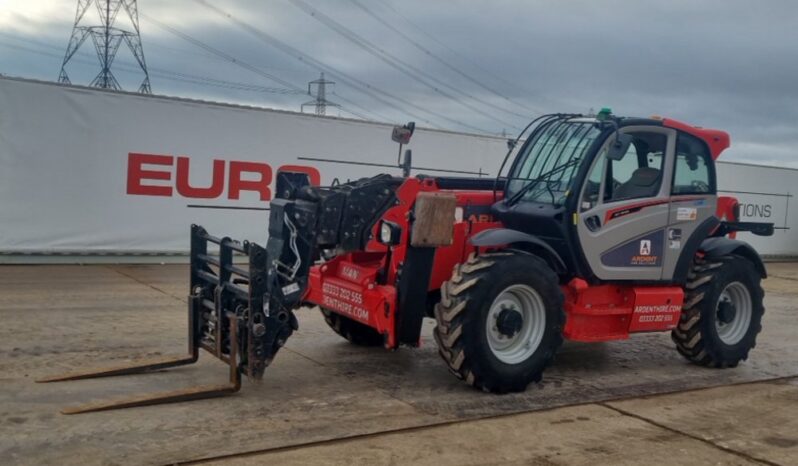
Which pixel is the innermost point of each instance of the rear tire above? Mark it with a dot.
(722, 312)
(357, 333)
(500, 320)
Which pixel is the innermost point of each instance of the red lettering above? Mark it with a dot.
(312, 172)
(261, 186)
(186, 190)
(136, 174)
(242, 176)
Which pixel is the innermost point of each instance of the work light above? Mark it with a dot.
(390, 233)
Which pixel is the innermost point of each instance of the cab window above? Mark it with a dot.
(692, 168)
(592, 191)
(639, 173)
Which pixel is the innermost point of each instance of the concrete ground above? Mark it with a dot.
(325, 401)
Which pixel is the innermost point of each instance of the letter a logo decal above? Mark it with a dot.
(645, 247)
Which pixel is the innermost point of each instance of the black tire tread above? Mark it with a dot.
(689, 335)
(450, 318)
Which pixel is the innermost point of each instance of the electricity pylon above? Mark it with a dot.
(106, 38)
(320, 102)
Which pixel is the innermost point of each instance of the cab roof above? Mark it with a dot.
(716, 140)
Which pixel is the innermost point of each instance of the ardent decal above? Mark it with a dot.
(645, 251)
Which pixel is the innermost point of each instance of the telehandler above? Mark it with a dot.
(601, 227)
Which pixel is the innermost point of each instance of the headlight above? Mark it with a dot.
(390, 233)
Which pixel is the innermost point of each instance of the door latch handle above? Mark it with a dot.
(593, 223)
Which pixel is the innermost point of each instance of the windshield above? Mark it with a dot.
(547, 164)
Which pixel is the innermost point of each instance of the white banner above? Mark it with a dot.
(766, 195)
(85, 171)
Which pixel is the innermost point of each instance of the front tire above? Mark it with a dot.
(500, 320)
(722, 313)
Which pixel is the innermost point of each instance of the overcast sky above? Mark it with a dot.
(461, 65)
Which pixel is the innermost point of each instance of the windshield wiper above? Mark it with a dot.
(542, 178)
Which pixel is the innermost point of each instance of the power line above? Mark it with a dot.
(229, 58)
(439, 59)
(157, 72)
(350, 103)
(205, 81)
(173, 50)
(221, 54)
(187, 78)
(352, 81)
(455, 52)
(398, 64)
(355, 83)
(234, 60)
(357, 114)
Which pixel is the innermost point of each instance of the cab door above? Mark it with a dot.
(624, 209)
(693, 202)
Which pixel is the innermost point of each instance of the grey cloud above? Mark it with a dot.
(725, 64)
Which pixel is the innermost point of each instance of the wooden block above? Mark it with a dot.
(434, 220)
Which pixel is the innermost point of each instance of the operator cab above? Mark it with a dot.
(617, 199)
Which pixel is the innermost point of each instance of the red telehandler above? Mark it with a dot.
(602, 226)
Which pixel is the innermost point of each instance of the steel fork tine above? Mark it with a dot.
(184, 394)
(138, 366)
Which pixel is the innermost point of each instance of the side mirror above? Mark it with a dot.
(510, 144)
(619, 147)
(402, 134)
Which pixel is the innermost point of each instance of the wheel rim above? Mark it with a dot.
(524, 341)
(732, 325)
